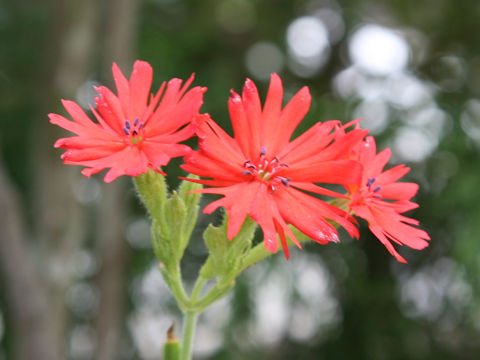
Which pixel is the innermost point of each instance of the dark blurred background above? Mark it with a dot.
(78, 277)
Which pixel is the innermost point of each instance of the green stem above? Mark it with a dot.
(174, 282)
(213, 295)
(197, 289)
(189, 323)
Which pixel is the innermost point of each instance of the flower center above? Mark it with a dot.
(373, 189)
(134, 130)
(266, 170)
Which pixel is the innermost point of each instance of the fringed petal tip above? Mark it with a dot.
(140, 65)
(354, 122)
(234, 97)
(400, 258)
(274, 77)
(271, 245)
(59, 145)
(201, 119)
(87, 172)
(157, 170)
(66, 155)
(56, 119)
(51, 117)
(249, 85)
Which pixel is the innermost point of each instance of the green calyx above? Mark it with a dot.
(173, 215)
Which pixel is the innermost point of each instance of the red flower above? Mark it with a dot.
(135, 130)
(261, 173)
(381, 200)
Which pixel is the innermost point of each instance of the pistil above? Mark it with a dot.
(266, 170)
(133, 130)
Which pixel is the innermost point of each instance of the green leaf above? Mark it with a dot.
(225, 256)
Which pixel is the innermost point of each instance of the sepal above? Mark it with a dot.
(191, 201)
(152, 190)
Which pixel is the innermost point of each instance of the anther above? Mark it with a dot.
(284, 164)
(276, 159)
(370, 181)
(246, 172)
(127, 124)
(251, 166)
(134, 132)
(135, 123)
(285, 181)
(378, 188)
(263, 151)
(378, 196)
(125, 130)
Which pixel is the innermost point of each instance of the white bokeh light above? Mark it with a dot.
(345, 82)
(378, 50)
(308, 45)
(271, 310)
(307, 37)
(470, 119)
(210, 331)
(435, 289)
(86, 93)
(374, 115)
(333, 20)
(138, 233)
(148, 327)
(432, 120)
(263, 59)
(87, 190)
(413, 144)
(82, 342)
(405, 91)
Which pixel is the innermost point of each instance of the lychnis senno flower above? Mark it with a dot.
(135, 130)
(381, 200)
(264, 174)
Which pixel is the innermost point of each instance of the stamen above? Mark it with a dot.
(370, 181)
(378, 188)
(266, 170)
(284, 181)
(378, 196)
(132, 129)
